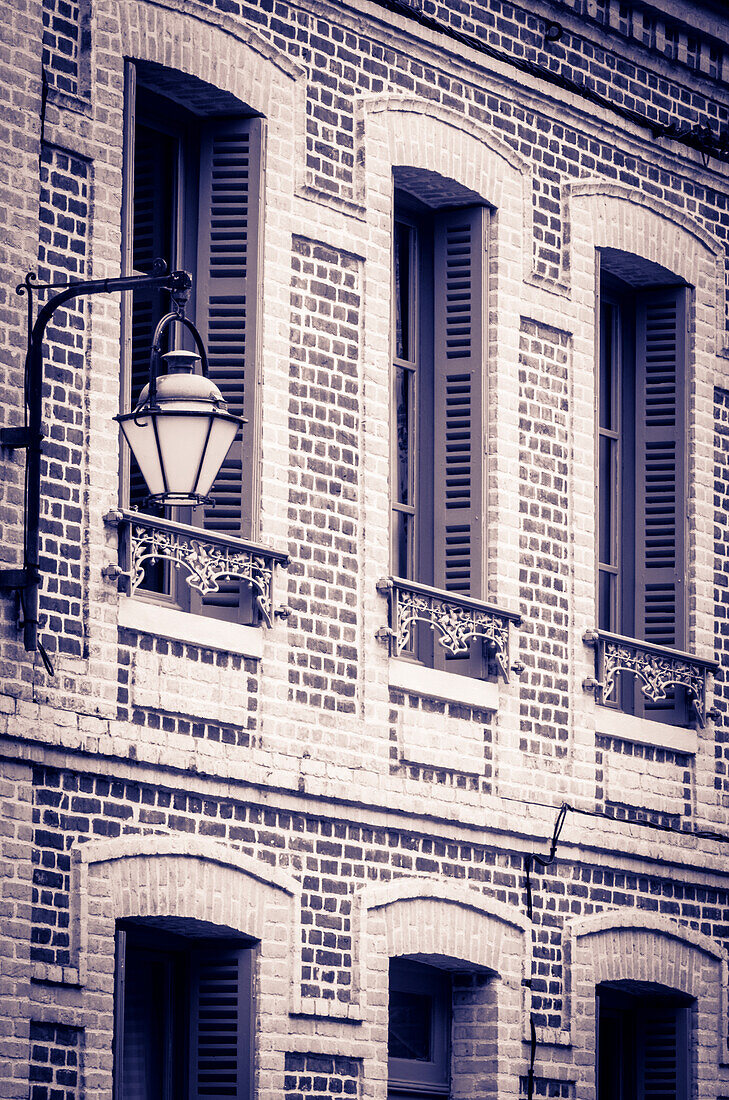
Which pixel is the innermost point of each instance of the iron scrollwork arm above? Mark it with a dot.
(204, 560)
(455, 620)
(656, 669)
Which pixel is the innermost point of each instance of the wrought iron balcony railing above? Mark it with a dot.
(655, 668)
(455, 620)
(202, 558)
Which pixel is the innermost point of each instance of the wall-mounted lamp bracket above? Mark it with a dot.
(26, 581)
(15, 438)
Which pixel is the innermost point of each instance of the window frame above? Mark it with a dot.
(430, 365)
(414, 1077)
(214, 148)
(631, 1011)
(619, 611)
(180, 956)
(184, 128)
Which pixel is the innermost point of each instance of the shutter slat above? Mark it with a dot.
(457, 400)
(660, 1070)
(458, 368)
(219, 1051)
(660, 417)
(226, 296)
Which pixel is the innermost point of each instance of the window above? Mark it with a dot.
(419, 1027)
(192, 195)
(642, 1044)
(439, 266)
(641, 499)
(182, 1016)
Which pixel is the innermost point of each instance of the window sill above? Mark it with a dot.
(627, 727)
(181, 626)
(447, 686)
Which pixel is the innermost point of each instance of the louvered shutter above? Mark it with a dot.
(660, 480)
(226, 299)
(220, 1015)
(663, 1052)
(155, 155)
(458, 399)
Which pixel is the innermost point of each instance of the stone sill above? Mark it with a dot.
(626, 727)
(447, 686)
(49, 974)
(328, 1008)
(148, 617)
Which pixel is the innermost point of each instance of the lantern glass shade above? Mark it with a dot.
(181, 438)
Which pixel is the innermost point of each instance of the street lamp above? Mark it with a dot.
(179, 433)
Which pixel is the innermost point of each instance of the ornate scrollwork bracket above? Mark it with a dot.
(656, 669)
(202, 558)
(455, 620)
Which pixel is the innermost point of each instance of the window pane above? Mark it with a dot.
(606, 533)
(401, 528)
(145, 1025)
(608, 377)
(155, 169)
(409, 1034)
(403, 239)
(606, 588)
(155, 163)
(403, 400)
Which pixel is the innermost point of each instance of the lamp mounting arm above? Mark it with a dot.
(26, 581)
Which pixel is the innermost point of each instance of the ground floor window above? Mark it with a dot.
(419, 1031)
(182, 1013)
(642, 1043)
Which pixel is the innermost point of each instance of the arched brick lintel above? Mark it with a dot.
(626, 219)
(210, 46)
(608, 215)
(402, 111)
(652, 922)
(415, 133)
(448, 922)
(644, 947)
(156, 875)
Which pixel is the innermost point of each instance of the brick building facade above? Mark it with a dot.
(427, 769)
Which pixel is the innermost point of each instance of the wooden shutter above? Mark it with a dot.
(458, 369)
(660, 480)
(660, 413)
(458, 400)
(150, 170)
(155, 157)
(226, 310)
(663, 1052)
(220, 1030)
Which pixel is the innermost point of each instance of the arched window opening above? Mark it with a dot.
(183, 1011)
(643, 1042)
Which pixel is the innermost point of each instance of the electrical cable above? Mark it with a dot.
(532, 858)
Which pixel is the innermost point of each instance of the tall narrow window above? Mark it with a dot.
(642, 1045)
(418, 1031)
(438, 380)
(641, 425)
(192, 197)
(182, 1016)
